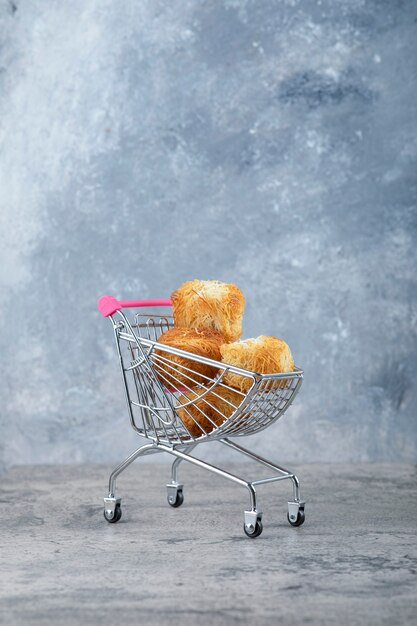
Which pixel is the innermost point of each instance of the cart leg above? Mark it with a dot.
(175, 495)
(177, 461)
(296, 506)
(252, 524)
(112, 505)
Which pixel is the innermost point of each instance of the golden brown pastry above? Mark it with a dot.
(263, 355)
(202, 342)
(203, 410)
(209, 304)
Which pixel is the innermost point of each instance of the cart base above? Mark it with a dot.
(252, 518)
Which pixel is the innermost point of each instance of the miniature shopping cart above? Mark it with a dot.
(160, 389)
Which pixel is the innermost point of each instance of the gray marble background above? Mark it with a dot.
(268, 143)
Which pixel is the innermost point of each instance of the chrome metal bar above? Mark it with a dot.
(124, 377)
(155, 382)
(122, 466)
(262, 461)
(179, 368)
(139, 393)
(177, 461)
(202, 359)
(176, 367)
(260, 406)
(185, 405)
(273, 479)
(214, 469)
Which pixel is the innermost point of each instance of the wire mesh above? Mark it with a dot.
(172, 401)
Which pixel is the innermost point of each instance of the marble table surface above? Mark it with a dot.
(354, 561)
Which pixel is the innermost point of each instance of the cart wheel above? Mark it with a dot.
(300, 518)
(116, 517)
(255, 532)
(179, 499)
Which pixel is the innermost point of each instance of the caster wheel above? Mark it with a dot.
(179, 499)
(300, 518)
(255, 532)
(116, 516)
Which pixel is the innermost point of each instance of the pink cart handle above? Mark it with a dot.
(107, 305)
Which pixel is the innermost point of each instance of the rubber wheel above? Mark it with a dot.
(300, 519)
(178, 500)
(255, 532)
(116, 517)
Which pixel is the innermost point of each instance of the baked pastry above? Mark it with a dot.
(208, 412)
(209, 304)
(263, 355)
(170, 367)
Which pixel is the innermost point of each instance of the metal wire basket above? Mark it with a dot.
(175, 406)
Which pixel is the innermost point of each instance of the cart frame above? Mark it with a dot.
(154, 416)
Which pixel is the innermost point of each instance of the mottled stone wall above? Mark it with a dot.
(272, 144)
